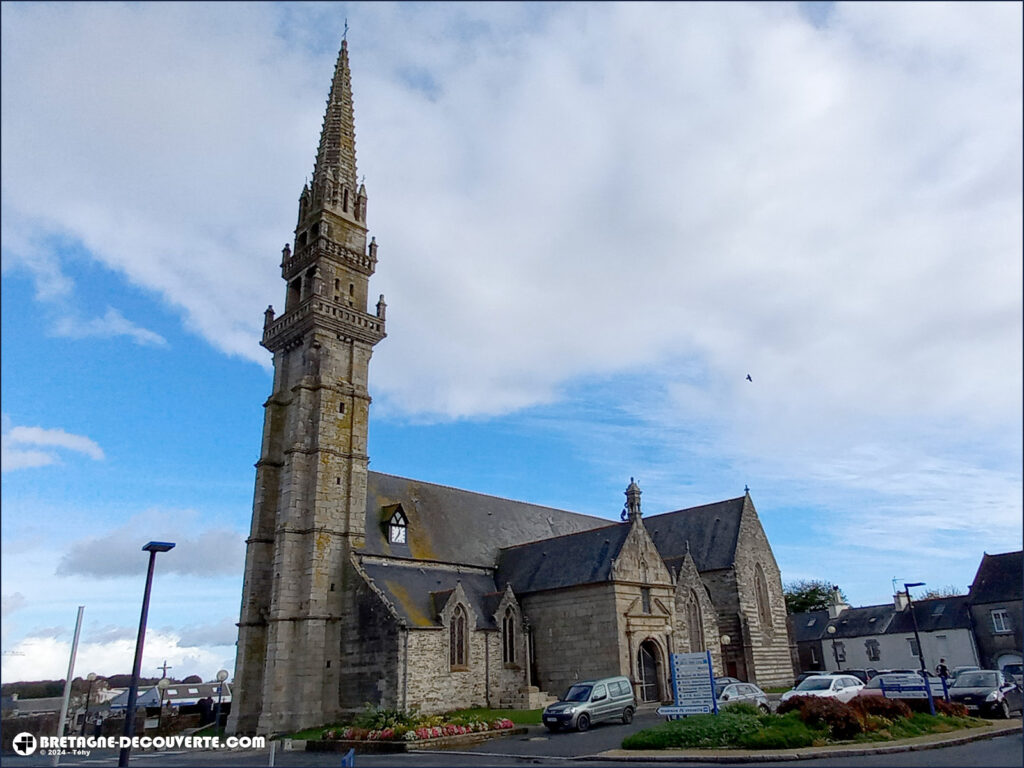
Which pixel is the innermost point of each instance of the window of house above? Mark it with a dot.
(840, 651)
(457, 639)
(814, 656)
(914, 650)
(871, 647)
(694, 623)
(508, 630)
(1001, 620)
(193, 690)
(761, 593)
(397, 527)
(645, 599)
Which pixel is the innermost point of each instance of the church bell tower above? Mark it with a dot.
(310, 498)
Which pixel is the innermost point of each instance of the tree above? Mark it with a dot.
(950, 590)
(808, 595)
(193, 679)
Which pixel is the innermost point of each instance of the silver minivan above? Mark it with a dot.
(591, 701)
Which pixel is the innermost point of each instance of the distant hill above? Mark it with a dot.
(41, 689)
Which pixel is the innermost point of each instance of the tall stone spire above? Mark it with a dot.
(336, 156)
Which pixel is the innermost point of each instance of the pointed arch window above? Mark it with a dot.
(694, 623)
(764, 613)
(397, 528)
(508, 632)
(457, 655)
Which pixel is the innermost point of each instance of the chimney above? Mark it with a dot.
(900, 601)
(837, 606)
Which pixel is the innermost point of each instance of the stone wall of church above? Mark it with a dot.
(434, 687)
(369, 653)
(575, 635)
(767, 651)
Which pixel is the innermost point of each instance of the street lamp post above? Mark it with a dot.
(162, 686)
(835, 649)
(91, 677)
(133, 689)
(222, 675)
(917, 639)
(725, 640)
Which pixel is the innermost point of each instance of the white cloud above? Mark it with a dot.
(11, 603)
(112, 324)
(204, 553)
(16, 456)
(41, 657)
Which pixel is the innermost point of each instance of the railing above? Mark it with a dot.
(321, 246)
(320, 306)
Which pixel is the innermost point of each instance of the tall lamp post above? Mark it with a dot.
(221, 677)
(91, 677)
(725, 640)
(917, 639)
(835, 649)
(133, 689)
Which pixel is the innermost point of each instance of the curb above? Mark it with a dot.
(396, 746)
(805, 753)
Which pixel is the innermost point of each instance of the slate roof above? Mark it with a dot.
(711, 530)
(455, 526)
(419, 593)
(866, 620)
(935, 614)
(565, 561)
(31, 706)
(808, 626)
(998, 578)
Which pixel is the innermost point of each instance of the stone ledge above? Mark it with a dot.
(392, 746)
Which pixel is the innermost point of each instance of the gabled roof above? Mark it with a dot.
(456, 526)
(711, 531)
(419, 594)
(863, 621)
(565, 561)
(809, 625)
(998, 578)
(934, 614)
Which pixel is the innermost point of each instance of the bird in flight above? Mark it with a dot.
(748, 377)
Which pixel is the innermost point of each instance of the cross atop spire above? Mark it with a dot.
(336, 156)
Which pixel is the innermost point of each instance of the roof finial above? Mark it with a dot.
(632, 510)
(344, 37)
(746, 489)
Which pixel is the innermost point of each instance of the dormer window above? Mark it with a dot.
(397, 528)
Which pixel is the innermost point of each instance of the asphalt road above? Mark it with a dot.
(540, 748)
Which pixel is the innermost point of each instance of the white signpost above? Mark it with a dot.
(904, 687)
(693, 686)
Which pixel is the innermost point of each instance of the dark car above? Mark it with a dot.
(986, 691)
(861, 674)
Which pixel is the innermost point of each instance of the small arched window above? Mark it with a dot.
(508, 631)
(457, 639)
(694, 623)
(764, 613)
(397, 528)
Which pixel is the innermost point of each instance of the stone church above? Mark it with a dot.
(366, 587)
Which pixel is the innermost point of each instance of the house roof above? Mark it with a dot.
(934, 614)
(455, 526)
(998, 578)
(809, 625)
(709, 531)
(565, 561)
(177, 694)
(29, 706)
(420, 593)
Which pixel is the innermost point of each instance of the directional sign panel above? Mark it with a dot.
(677, 711)
(904, 687)
(692, 685)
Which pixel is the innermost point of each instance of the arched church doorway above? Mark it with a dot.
(649, 671)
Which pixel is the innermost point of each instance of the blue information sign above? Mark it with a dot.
(693, 685)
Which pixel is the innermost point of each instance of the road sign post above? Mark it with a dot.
(693, 686)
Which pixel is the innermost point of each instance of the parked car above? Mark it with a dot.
(1015, 672)
(861, 674)
(804, 675)
(591, 701)
(842, 687)
(721, 682)
(986, 691)
(734, 693)
(957, 670)
(874, 685)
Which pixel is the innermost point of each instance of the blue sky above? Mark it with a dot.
(594, 221)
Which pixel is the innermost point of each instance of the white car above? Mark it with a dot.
(842, 687)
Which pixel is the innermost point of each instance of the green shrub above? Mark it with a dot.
(891, 709)
(785, 732)
(741, 708)
(377, 718)
(819, 712)
(697, 731)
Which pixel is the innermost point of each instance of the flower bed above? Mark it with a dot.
(415, 732)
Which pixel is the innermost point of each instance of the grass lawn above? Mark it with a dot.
(517, 716)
